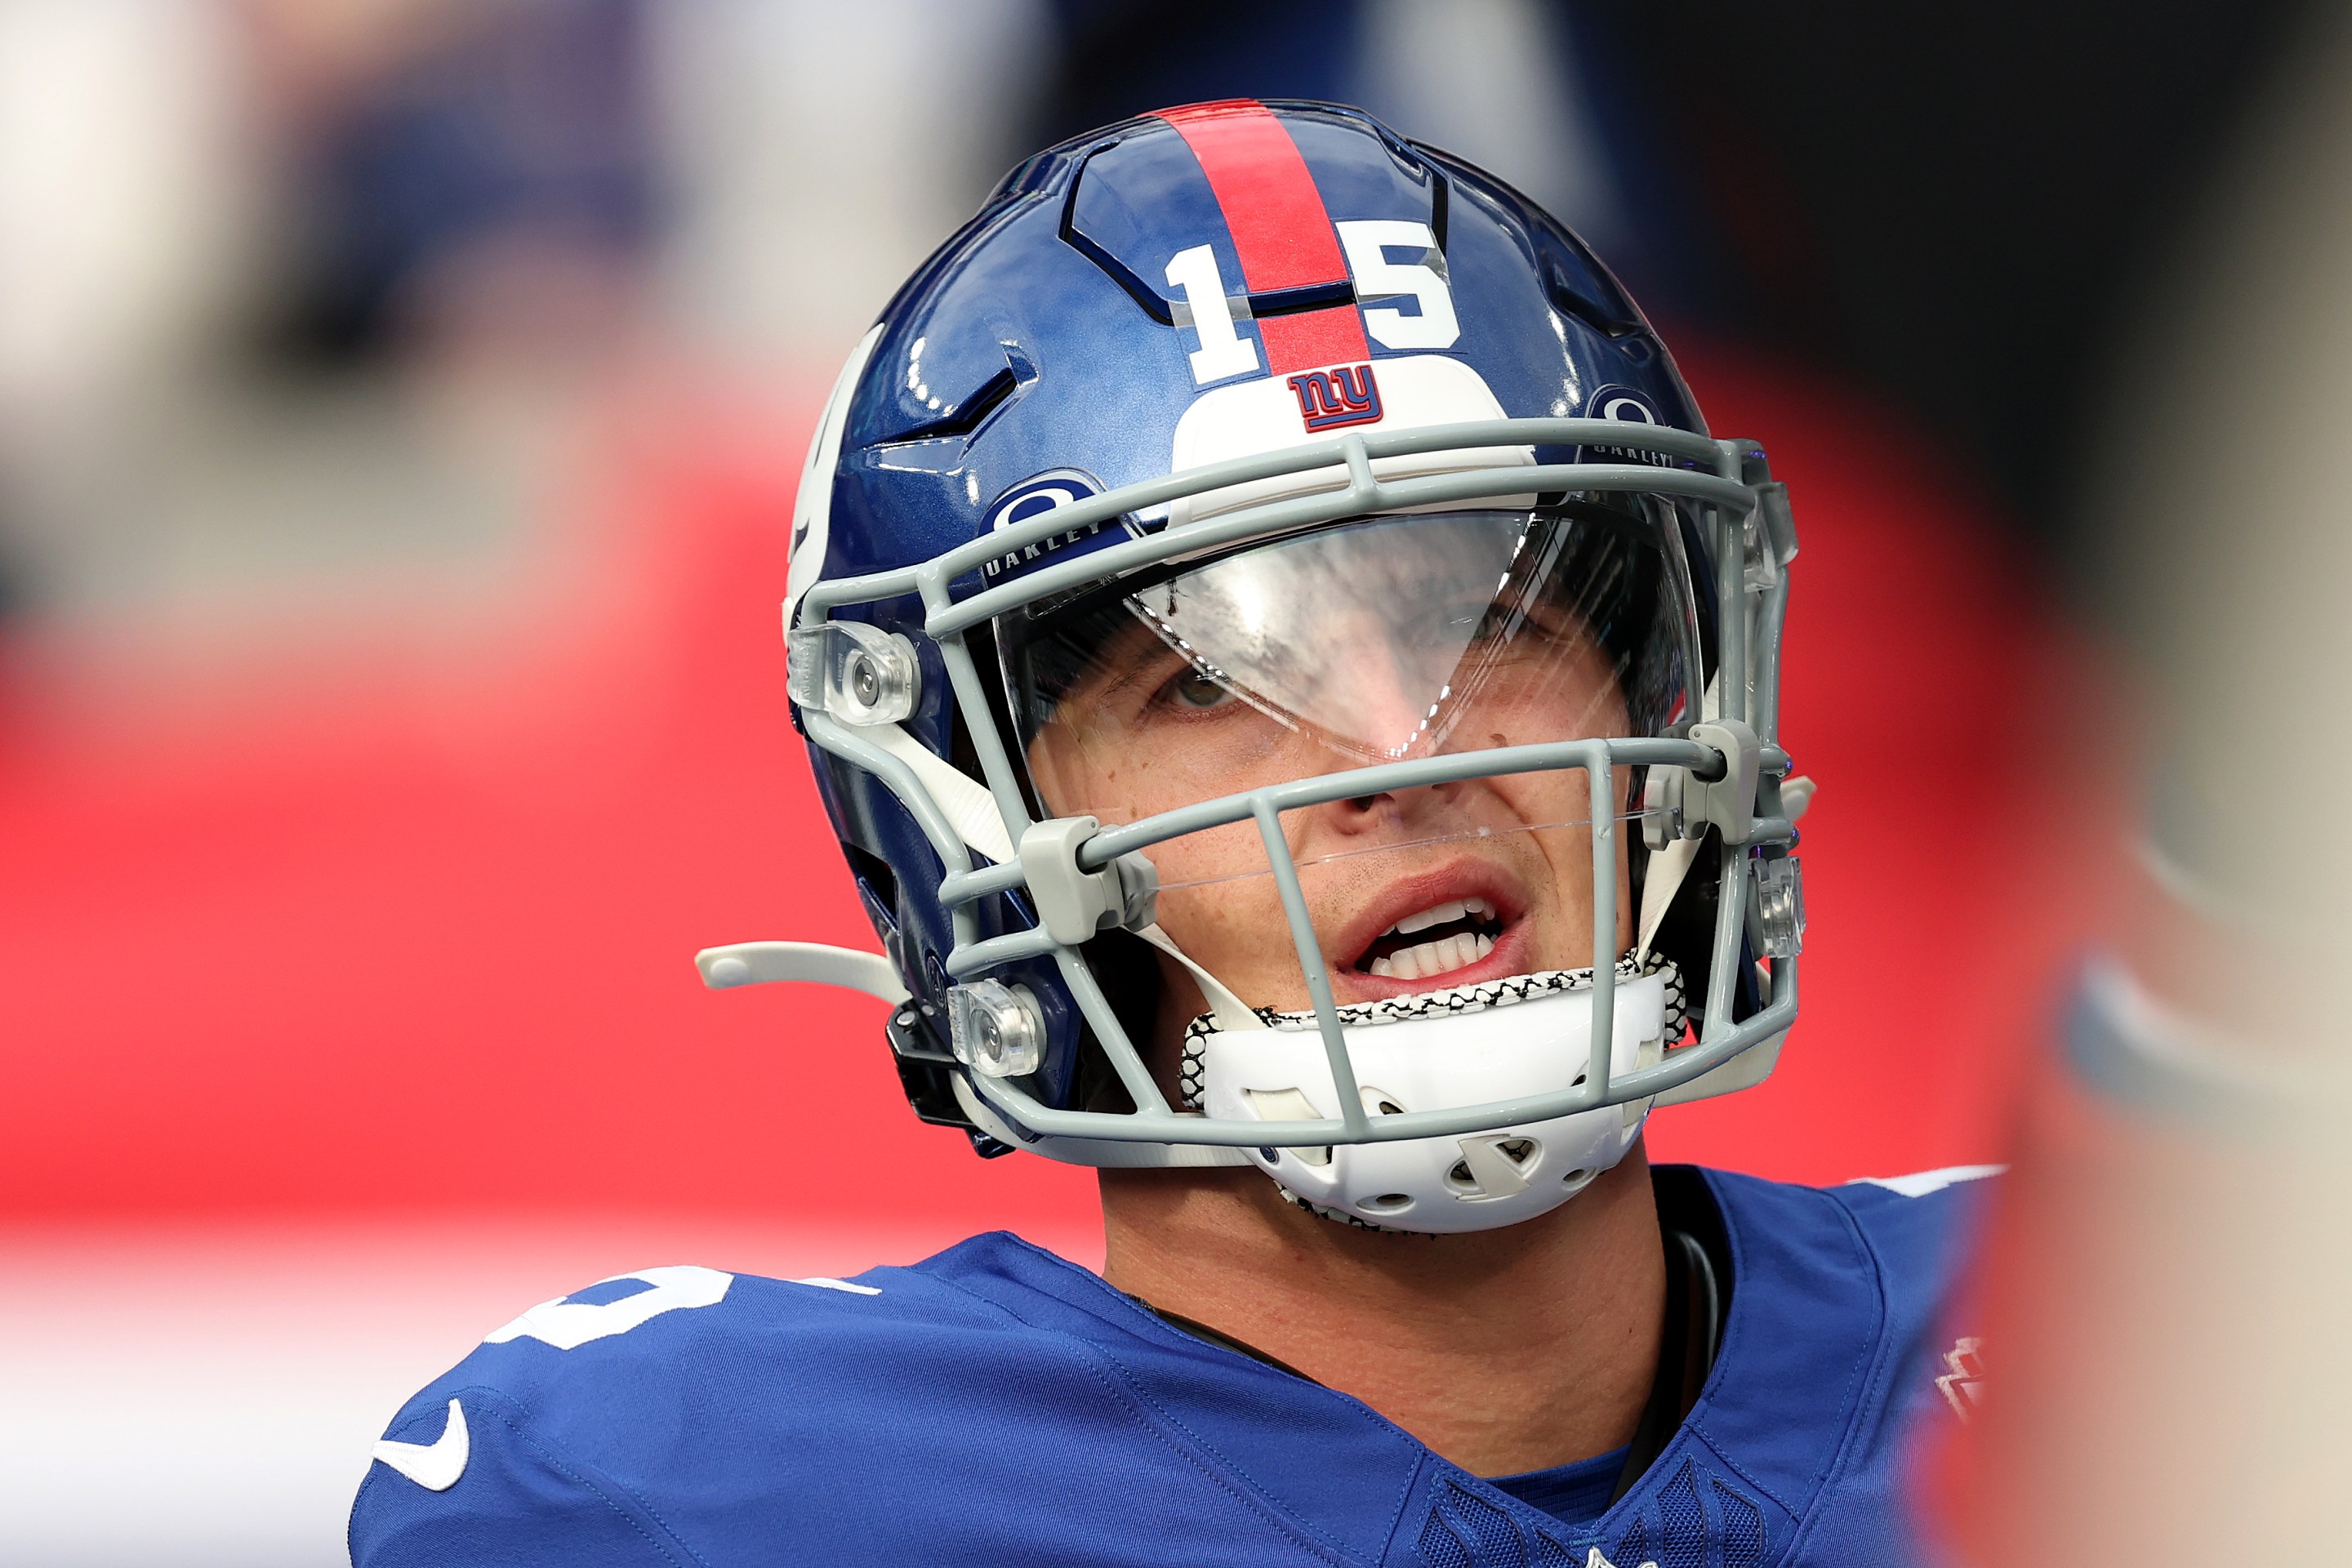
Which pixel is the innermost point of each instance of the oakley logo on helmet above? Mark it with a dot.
(1626, 406)
(1032, 498)
(1345, 395)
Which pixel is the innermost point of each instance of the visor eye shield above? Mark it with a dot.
(1359, 643)
(1367, 641)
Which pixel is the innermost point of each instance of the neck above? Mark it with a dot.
(1504, 1351)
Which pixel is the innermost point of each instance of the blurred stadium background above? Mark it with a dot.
(399, 406)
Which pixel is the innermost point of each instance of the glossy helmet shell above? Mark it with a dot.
(1045, 340)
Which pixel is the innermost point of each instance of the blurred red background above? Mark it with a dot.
(372, 933)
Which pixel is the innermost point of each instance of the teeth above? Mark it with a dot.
(1438, 915)
(1445, 953)
(1442, 956)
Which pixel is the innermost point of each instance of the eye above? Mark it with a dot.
(1488, 625)
(1193, 692)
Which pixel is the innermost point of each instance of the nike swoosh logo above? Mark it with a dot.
(435, 1466)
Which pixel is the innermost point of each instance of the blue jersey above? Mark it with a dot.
(996, 1405)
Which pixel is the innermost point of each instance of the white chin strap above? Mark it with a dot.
(1506, 1040)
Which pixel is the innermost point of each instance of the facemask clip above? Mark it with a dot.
(1674, 805)
(1074, 904)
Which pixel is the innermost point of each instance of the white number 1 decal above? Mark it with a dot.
(1368, 243)
(1223, 351)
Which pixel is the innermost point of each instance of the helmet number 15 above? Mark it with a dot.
(1382, 279)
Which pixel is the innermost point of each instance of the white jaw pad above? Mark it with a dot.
(1463, 1050)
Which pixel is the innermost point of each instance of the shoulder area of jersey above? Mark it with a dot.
(673, 1306)
(1913, 1233)
(1922, 1229)
(689, 1316)
(624, 1302)
(1957, 1179)
(582, 1370)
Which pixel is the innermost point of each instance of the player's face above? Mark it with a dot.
(1391, 645)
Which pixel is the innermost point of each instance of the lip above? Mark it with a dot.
(1463, 877)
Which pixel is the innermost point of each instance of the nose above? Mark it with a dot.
(1364, 816)
(1378, 702)
(1380, 699)
(1390, 815)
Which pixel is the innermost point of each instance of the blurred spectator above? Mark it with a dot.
(818, 151)
(251, 250)
(1957, 206)
(489, 160)
(126, 202)
(2164, 1369)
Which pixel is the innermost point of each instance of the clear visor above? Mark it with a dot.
(1381, 640)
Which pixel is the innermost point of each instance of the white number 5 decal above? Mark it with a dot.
(568, 1324)
(1368, 243)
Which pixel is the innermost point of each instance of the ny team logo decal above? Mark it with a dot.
(1328, 399)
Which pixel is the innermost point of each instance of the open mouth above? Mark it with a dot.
(1436, 941)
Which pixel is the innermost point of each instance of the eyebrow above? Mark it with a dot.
(1152, 654)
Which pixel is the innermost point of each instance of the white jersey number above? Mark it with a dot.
(568, 1324)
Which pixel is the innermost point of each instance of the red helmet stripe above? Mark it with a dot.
(1282, 233)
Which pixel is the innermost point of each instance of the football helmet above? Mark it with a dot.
(1295, 681)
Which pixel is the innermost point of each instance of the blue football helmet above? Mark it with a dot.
(1255, 523)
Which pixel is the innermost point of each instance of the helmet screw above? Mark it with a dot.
(865, 681)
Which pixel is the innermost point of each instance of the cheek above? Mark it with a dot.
(1227, 926)
(1539, 799)
(1061, 770)
(1125, 775)
(1217, 864)
(1566, 854)
(1100, 768)
(1561, 795)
